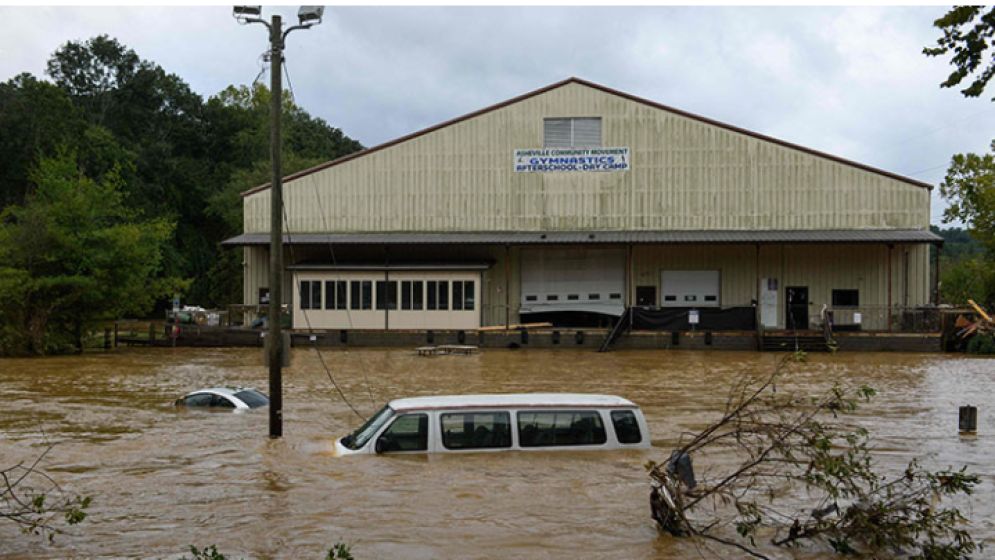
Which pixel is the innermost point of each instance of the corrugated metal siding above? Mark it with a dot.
(686, 175)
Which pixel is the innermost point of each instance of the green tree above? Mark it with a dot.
(967, 33)
(72, 255)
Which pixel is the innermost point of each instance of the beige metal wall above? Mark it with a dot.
(686, 175)
(821, 268)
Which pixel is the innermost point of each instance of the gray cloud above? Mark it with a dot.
(850, 81)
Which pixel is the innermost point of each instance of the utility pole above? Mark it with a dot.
(276, 350)
(276, 233)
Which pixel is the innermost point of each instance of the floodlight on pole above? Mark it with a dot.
(308, 14)
(277, 345)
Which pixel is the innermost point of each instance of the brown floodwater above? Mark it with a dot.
(163, 479)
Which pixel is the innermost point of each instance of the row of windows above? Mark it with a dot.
(573, 297)
(415, 295)
(489, 430)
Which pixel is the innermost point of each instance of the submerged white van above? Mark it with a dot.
(532, 421)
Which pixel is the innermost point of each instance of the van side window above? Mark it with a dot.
(409, 432)
(476, 430)
(560, 427)
(626, 426)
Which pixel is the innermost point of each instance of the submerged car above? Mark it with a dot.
(531, 421)
(236, 398)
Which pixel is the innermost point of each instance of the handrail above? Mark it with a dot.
(624, 321)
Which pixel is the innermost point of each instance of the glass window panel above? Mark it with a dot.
(381, 294)
(367, 294)
(340, 298)
(315, 294)
(626, 426)
(476, 430)
(329, 294)
(406, 294)
(443, 295)
(305, 293)
(457, 295)
(433, 295)
(408, 433)
(392, 294)
(354, 289)
(416, 295)
(468, 296)
(560, 427)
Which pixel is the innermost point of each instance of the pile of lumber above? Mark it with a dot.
(983, 324)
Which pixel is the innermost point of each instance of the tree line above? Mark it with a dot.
(117, 184)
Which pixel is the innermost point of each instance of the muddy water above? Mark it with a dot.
(163, 479)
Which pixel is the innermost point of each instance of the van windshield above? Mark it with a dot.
(358, 439)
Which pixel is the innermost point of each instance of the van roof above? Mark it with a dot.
(519, 400)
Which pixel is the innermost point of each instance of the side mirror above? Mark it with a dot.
(381, 444)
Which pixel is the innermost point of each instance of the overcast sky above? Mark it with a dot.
(849, 81)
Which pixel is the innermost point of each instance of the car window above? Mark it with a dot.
(221, 402)
(560, 427)
(198, 399)
(409, 432)
(476, 430)
(253, 398)
(626, 426)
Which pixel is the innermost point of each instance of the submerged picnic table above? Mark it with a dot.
(445, 349)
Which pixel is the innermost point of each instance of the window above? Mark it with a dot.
(573, 297)
(310, 294)
(531, 298)
(552, 297)
(361, 294)
(408, 433)
(846, 298)
(572, 132)
(335, 294)
(367, 294)
(433, 291)
(593, 296)
(386, 294)
(476, 430)
(443, 295)
(416, 295)
(615, 296)
(626, 426)
(221, 402)
(560, 427)
(199, 399)
(406, 294)
(463, 295)
(253, 398)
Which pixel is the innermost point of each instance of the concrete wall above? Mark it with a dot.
(685, 175)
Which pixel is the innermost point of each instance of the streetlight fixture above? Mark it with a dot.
(278, 348)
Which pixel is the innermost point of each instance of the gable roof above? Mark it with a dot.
(629, 96)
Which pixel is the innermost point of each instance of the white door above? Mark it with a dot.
(689, 288)
(570, 279)
(768, 302)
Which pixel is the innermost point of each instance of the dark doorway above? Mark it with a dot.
(796, 298)
(646, 296)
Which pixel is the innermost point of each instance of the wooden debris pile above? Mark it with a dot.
(968, 327)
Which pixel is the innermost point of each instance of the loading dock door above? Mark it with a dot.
(570, 279)
(689, 288)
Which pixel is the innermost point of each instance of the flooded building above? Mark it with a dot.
(576, 202)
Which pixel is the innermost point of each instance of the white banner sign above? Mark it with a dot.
(571, 159)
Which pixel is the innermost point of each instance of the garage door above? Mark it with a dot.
(591, 280)
(689, 288)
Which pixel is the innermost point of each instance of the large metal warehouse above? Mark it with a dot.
(576, 202)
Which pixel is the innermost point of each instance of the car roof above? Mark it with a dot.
(512, 400)
(222, 391)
